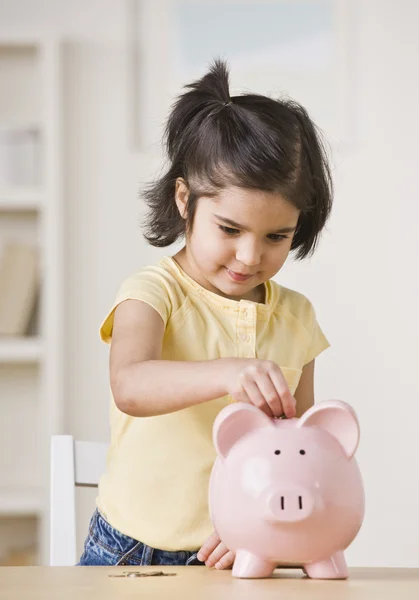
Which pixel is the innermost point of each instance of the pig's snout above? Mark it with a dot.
(290, 505)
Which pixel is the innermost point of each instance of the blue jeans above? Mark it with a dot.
(106, 546)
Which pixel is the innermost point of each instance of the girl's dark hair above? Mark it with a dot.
(250, 141)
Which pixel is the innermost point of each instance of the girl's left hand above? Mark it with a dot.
(215, 554)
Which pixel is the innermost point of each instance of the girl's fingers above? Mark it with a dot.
(270, 395)
(226, 561)
(287, 399)
(216, 555)
(267, 389)
(208, 547)
(256, 397)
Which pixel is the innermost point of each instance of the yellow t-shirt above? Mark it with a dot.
(155, 489)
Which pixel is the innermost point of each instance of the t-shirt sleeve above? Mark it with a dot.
(318, 341)
(148, 286)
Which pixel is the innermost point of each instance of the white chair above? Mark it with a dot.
(73, 464)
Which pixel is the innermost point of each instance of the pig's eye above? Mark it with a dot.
(302, 451)
(277, 451)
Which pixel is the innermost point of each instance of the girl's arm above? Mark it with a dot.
(304, 394)
(143, 385)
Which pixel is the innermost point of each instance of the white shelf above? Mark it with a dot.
(20, 501)
(21, 199)
(20, 350)
(19, 40)
(20, 125)
(31, 99)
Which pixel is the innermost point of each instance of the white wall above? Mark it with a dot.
(363, 280)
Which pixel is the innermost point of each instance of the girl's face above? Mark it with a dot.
(239, 239)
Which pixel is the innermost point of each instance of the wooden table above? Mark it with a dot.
(201, 583)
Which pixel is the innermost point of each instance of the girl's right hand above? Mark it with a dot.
(261, 383)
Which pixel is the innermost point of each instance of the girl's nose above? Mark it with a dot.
(249, 254)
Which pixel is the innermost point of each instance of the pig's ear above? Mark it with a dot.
(339, 419)
(233, 422)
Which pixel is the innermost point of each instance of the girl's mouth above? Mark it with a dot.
(239, 276)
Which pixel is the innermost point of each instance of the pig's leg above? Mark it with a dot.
(331, 568)
(247, 565)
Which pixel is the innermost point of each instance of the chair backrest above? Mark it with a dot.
(73, 464)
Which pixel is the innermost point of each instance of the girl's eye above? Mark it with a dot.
(274, 237)
(277, 237)
(229, 230)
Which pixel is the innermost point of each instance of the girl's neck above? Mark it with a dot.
(187, 264)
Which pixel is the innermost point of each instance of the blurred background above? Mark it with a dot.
(85, 87)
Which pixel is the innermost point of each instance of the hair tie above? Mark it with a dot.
(228, 103)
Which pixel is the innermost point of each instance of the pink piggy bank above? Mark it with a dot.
(287, 491)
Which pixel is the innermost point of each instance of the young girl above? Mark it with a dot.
(247, 183)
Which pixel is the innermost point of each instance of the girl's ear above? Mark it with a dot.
(181, 196)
